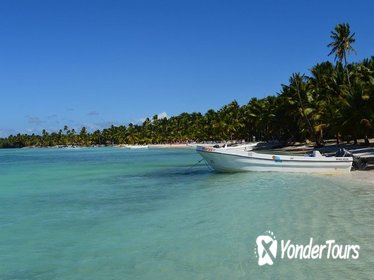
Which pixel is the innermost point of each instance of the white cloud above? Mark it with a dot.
(141, 120)
(160, 116)
(163, 115)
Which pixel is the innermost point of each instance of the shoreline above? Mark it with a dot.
(364, 151)
(360, 150)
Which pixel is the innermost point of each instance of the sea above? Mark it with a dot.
(112, 213)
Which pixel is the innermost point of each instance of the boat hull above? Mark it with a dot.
(252, 161)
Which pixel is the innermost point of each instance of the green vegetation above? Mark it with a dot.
(333, 101)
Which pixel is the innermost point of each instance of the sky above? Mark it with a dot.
(97, 63)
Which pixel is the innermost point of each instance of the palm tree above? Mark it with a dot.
(341, 44)
(298, 90)
(358, 112)
(324, 97)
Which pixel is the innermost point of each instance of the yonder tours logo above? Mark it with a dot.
(266, 250)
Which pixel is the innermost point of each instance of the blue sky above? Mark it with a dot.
(97, 63)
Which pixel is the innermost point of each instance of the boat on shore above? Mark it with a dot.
(239, 160)
(136, 147)
(234, 147)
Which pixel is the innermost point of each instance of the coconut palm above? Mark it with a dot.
(341, 44)
(298, 90)
(358, 111)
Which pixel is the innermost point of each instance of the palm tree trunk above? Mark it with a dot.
(346, 69)
(311, 131)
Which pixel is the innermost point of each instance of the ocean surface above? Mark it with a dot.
(110, 213)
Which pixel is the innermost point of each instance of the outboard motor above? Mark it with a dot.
(358, 163)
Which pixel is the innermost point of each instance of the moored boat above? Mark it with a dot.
(245, 147)
(136, 146)
(237, 160)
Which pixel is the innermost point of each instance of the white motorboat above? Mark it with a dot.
(235, 147)
(236, 160)
(136, 146)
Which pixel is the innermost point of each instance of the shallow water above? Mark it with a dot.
(108, 213)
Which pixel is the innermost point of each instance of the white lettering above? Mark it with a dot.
(335, 252)
(284, 247)
(315, 252)
(291, 251)
(318, 251)
(329, 243)
(308, 249)
(355, 249)
(323, 247)
(299, 251)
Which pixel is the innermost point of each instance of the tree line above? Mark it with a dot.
(335, 100)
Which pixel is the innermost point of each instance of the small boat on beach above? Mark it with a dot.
(244, 159)
(245, 147)
(136, 146)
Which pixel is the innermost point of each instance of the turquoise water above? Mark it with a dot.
(109, 213)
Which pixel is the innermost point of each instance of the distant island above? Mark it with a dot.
(334, 101)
